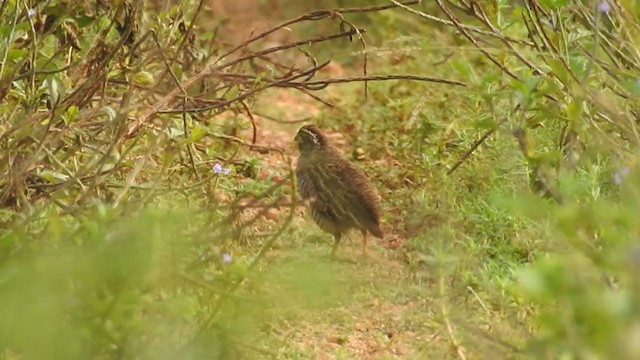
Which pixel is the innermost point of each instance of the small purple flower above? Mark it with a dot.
(604, 7)
(619, 175)
(227, 258)
(219, 169)
(31, 12)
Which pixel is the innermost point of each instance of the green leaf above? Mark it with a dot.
(71, 115)
(45, 63)
(18, 91)
(462, 67)
(206, 35)
(175, 133)
(52, 176)
(144, 78)
(114, 73)
(16, 54)
(258, 78)
(549, 87)
(55, 89)
(578, 63)
(490, 78)
(111, 113)
(57, 10)
(197, 134)
(486, 121)
(574, 110)
(84, 21)
(558, 69)
(632, 85)
(555, 4)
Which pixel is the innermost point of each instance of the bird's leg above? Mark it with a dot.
(337, 237)
(333, 256)
(364, 244)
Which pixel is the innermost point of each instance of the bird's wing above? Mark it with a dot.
(343, 187)
(306, 188)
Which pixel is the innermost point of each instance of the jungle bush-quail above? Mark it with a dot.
(339, 195)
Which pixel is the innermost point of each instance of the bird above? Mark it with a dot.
(338, 194)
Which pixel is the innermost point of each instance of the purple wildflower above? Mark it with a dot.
(31, 12)
(619, 175)
(219, 169)
(227, 258)
(604, 7)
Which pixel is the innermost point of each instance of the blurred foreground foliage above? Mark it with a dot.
(114, 286)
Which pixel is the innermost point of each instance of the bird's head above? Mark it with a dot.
(310, 138)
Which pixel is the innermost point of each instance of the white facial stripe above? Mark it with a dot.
(313, 136)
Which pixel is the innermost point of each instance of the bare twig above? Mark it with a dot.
(458, 25)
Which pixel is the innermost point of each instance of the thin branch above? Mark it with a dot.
(453, 23)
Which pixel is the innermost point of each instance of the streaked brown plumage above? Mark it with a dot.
(339, 194)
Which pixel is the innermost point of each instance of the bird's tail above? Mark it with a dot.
(376, 231)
